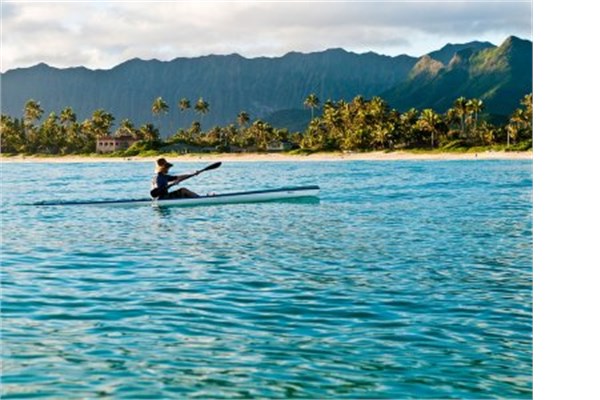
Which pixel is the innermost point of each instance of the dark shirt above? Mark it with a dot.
(161, 181)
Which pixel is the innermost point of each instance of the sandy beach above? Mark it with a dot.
(276, 157)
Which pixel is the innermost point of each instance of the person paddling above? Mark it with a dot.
(162, 181)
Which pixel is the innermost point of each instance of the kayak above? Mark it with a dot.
(255, 196)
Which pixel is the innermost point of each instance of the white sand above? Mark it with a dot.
(267, 157)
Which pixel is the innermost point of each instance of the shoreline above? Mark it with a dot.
(277, 157)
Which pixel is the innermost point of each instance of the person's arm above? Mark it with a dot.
(180, 178)
(171, 178)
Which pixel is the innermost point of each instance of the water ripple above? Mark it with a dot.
(407, 280)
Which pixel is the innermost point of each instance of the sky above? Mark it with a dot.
(100, 35)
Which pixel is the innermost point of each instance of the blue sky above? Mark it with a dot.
(104, 34)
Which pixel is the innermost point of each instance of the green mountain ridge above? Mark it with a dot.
(274, 89)
(445, 54)
(500, 76)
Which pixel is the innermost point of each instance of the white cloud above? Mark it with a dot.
(103, 34)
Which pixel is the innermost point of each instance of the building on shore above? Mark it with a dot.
(279, 145)
(109, 144)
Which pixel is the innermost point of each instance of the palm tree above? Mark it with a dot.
(527, 104)
(451, 117)
(149, 133)
(382, 132)
(260, 134)
(378, 108)
(313, 139)
(243, 118)
(359, 100)
(332, 120)
(52, 137)
(475, 106)
(515, 124)
(67, 116)
(68, 127)
(194, 133)
(201, 107)
(378, 123)
(429, 122)
(184, 104)
(101, 123)
(160, 106)
(312, 102)
(230, 133)
(68, 120)
(406, 123)
(487, 132)
(126, 128)
(32, 112)
(460, 105)
(12, 139)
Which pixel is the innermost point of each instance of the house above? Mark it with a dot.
(236, 149)
(109, 144)
(278, 145)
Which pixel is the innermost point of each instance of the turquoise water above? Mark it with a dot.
(409, 279)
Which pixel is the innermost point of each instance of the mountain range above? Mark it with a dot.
(274, 89)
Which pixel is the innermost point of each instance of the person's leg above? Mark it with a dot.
(182, 194)
(185, 192)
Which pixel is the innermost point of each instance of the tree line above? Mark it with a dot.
(357, 125)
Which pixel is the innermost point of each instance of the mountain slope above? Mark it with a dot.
(230, 84)
(500, 76)
(445, 54)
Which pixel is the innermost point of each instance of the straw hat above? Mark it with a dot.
(162, 165)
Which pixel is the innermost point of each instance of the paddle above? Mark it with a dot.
(156, 191)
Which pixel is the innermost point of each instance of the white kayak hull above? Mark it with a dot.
(254, 196)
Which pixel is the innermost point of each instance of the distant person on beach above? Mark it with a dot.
(162, 181)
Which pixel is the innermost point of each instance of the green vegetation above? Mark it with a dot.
(358, 125)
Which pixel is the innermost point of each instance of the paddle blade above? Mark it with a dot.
(211, 166)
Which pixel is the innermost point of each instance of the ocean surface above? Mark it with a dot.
(408, 279)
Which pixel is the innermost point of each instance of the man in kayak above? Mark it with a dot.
(162, 181)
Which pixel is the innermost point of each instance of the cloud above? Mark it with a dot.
(103, 34)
